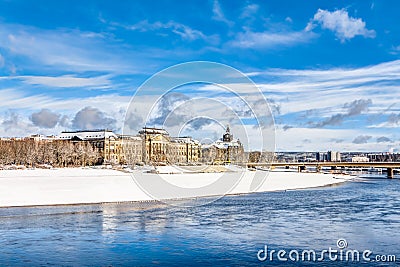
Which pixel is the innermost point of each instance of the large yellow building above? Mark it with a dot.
(184, 150)
(155, 144)
(159, 147)
(123, 150)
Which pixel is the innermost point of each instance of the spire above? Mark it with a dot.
(227, 137)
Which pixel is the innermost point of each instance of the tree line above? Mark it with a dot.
(60, 153)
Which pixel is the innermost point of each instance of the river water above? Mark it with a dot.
(227, 232)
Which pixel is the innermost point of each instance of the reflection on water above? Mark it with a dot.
(228, 232)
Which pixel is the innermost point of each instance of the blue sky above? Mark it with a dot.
(330, 69)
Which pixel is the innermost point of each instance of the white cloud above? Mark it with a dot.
(362, 139)
(318, 89)
(262, 40)
(314, 96)
(92, 118)
(67, 50)
(219, 15)
(330, 139)
(15, 99)
(68, 81)
(249, 11)
(45, 118)
(339, 22)
(111, 112)
(320, 139)
(184, 31)
(12, 124)
(18, 100)
(395, 50)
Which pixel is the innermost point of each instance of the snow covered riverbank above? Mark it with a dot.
(80, 186)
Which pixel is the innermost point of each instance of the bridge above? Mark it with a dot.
(301, 166)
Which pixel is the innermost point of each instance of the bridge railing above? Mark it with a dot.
(301, 166)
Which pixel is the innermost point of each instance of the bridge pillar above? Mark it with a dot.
(390, 173)
(301, 168)
(318, 168)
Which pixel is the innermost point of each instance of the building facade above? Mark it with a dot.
(155, 145)
(225, 150)
(184, 150)
(331, 156)
(359, 159)
(111, 148)
(123, 150)
(160, 147)
(131, 150)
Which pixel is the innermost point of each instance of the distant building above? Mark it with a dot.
(332, 156)
(338, 156)
(318, 156)
(225, 150)
(86, 135)
(41, 137)
(112, 148)
(123, 150)
(184, 150)
(155, 144)
(359, 159)
(384, 157)
(160, 147)
(97, 138)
